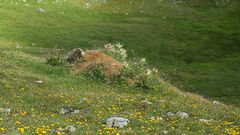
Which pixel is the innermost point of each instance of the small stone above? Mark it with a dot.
(40, 10)
(117, 122)
(70, 129)
(156, 118)
(39, 1)
(39, 81)
(5, 110)
(165, 132)
(146, 102)
(170, 114)
(216, 102)
(182, 114)
(205, 120)
(66, 111)
(18, 46)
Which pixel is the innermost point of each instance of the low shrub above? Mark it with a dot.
(56, 57)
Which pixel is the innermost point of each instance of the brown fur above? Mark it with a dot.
(109, 66)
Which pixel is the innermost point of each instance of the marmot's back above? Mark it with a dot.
(109, 66)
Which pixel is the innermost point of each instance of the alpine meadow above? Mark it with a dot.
(120, 67)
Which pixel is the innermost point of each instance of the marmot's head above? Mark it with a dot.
(79, 51)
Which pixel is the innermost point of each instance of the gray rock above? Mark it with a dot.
(70, 129)
(216, 102)
(66, 111)
(205, 120)
(170, 114)
(118, 122)
(182, 114)
(5, 110)
(165, 132)
(41, 10)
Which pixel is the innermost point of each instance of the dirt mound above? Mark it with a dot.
(107, 64)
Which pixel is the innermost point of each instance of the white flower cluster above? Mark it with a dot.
(116, 50)
(224, 3)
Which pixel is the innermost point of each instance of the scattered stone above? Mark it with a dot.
(66, 111)
(18, 46)
(39, 81)
(156, 118)
(170, 114)
(5, 110)
(216, 102)
(165, 132)
(40, 10)
(117, 122)
(75, 54)
(39, 1)
(205, 120)
(68, 129)
(182, 114)
(146, 102)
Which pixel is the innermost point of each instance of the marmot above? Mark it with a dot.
(75, 54)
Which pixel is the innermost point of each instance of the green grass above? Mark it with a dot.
(35, 107)
(195, 45)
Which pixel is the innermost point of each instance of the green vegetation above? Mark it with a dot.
(194, 45)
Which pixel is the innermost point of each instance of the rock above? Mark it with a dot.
(75, 54)
(156, 118)
(39, 1)
(66, 111)
(39, 81)
(18, 46)
(70, 129)
(40, 10)
(146, 102)
(165, 132)
(5, 110)
(182, 114)
(205, 120)
(170, 114)
(216, 102)
(117, 122)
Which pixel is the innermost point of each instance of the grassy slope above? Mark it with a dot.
(195, 44)
(143, 32)
(35, 107)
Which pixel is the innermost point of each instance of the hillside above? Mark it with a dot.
(193, 44)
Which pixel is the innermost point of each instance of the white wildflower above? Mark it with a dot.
(143, 61)
(148, 72)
